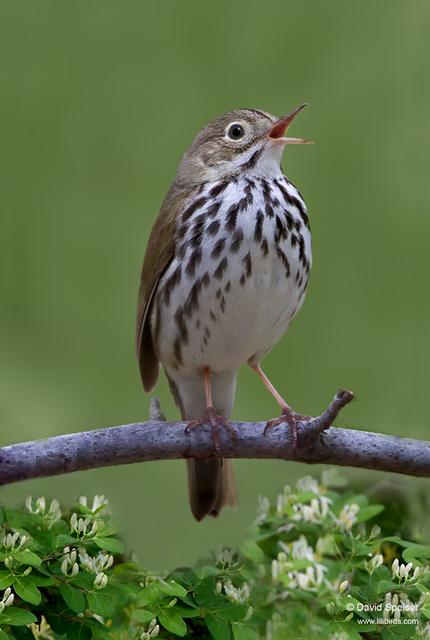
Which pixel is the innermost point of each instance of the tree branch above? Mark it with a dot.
(158, 439)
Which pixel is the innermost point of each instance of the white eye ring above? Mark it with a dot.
(235, 131)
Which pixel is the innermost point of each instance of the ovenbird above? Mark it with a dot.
(225, 272)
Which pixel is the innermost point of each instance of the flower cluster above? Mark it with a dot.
(313, 562)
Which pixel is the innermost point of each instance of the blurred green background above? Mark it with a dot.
(98, 100)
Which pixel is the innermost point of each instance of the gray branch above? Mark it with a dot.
(312, 442)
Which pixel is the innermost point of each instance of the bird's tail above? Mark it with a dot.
(211, 486)
(211, 483)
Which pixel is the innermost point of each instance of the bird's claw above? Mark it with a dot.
(292, 420)
(215, 420)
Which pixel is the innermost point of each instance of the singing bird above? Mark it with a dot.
(225, 272)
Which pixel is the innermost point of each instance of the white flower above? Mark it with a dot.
(225, 557)
(402, 571)
(308, 484)
(348, 516)
(100, 581)
(7, 599)
(38, 507)
(69, 566)
(152, 631)
(83, 526)
(100, 504)
(374, 532)
(343, 586)
(316, 511)
(95, 564)
(309, 580)
(237, 595)
(374, 562)
(11, 541)
(298, 549)
(262, 509)
(42, 630)
(280, 566)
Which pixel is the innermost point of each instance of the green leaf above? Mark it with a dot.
(188, 612)
(172, 621)
(27, 557)
(252, 551)
(150, 595)
(23, 633)
(17, 616)
(64, 539)
(366, 513)
(6, 579)
(78, 632)
(27, 590)
(3, 636)
(219, 629)
(74, 598)
(142, 616)
(243, 631)
(416, 551)
(173, 589)
(100, 604)
(110, 544)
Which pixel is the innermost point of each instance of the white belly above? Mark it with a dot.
(236, 281)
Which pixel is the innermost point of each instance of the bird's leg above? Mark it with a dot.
(212, 416)
(288, 416)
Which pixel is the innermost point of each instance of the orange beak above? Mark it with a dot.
(280, 128)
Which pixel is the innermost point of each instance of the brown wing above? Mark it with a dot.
(159, 253)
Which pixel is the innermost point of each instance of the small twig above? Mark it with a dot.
(321, 423)
(155, 412)
(161, 440)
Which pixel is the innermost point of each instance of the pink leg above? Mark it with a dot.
(287, 414)
(269, 386)
(215, 419)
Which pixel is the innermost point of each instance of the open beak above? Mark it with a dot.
(280, 128)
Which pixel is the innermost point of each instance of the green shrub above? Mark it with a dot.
(310, 566)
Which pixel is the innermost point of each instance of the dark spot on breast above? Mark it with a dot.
(236, 241)
(281, 232)
(283, 258)
(248, 264)
(213, 208)
(193, 262)
(213, 228)
(180, 323)
(192, 302)
(193, 207)
(219, 246)
(231, 217)
(218, 273)
(264, 247)
(171, 283)
(218, 188)
(258, 226)
(249, 164)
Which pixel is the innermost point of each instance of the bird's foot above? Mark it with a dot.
(292, 420)
(216, 421)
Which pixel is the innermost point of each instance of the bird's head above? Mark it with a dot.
(243, 141)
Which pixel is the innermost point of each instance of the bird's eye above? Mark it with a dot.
(235, 131)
